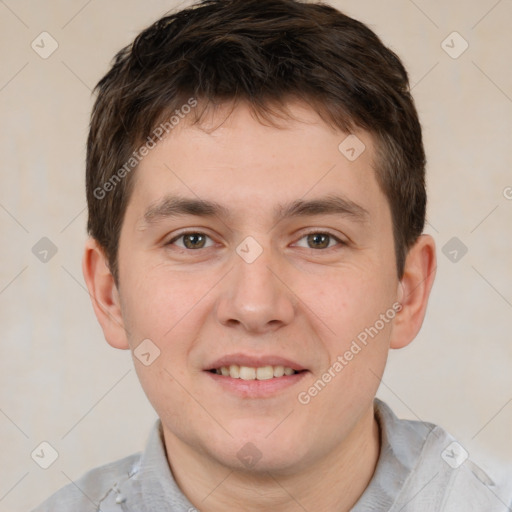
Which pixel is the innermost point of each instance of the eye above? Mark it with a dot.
(320, 240)
(191, 240)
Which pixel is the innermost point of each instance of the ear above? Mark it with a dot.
(104, 294)
(414, 290)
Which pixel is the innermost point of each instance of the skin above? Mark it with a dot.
(295, 300)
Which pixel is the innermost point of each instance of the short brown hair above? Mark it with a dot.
(264, 52)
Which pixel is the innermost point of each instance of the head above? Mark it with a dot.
(256, 195)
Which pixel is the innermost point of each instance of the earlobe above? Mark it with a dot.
(414, 291)
(104, 294)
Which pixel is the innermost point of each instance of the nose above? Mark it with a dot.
(256, 296)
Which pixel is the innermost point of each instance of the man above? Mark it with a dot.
(256, 194)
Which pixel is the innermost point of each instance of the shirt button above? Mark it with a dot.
(120, 499)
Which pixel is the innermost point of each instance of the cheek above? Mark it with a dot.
(347, 300)
(161, 383)
(156, 301)
(353, 332)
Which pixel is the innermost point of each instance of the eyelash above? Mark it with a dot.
(338, 240)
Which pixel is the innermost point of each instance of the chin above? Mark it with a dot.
(257, 454)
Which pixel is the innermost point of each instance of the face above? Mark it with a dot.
(252, 251)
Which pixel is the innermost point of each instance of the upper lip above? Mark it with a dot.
(254, 361)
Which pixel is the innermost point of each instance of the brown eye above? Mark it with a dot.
(194, 240)
(191, 240)
(318, 240)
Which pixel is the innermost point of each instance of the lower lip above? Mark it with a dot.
(257, 388)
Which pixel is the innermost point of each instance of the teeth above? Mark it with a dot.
(265, 373)
(278, 371)
(247, 373)
(234, 371)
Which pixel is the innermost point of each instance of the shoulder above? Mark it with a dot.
(98, 484)
(443, 475)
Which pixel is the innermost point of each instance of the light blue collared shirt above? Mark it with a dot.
(421, 468)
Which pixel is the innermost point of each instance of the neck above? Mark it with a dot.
(334, 482)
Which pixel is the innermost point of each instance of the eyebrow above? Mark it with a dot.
(174, 206)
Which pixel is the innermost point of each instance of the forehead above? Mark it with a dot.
(234, 159)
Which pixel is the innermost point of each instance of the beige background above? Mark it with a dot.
(61, 383)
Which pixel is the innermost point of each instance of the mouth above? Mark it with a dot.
(236, 371)
(255, 376)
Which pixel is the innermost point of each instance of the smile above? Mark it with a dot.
(249, 373)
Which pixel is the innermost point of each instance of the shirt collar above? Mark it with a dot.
(401, 446)
(400, 450)
(157, 486)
